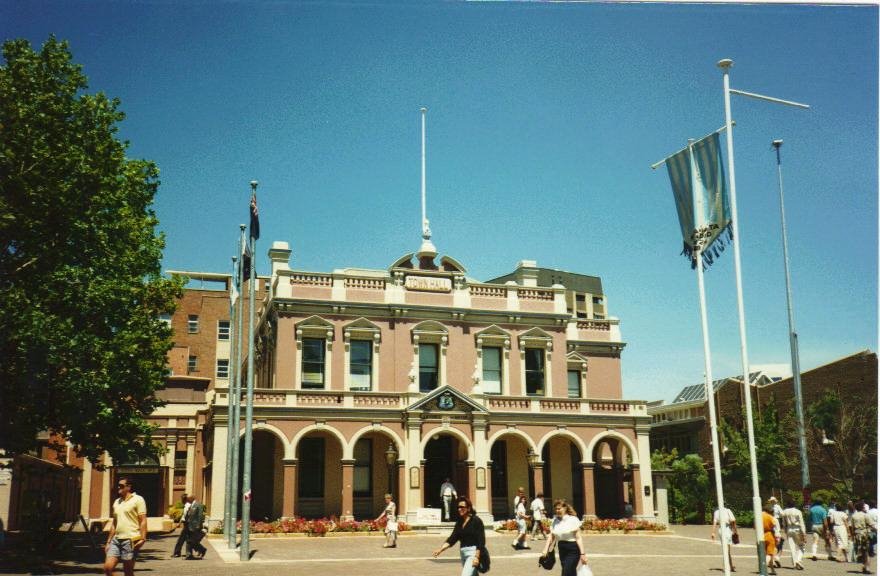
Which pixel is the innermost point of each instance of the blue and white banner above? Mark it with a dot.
(700, 189)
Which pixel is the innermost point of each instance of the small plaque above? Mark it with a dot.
(481, 478)
(428, 284)
(414, 477)
(428, 516)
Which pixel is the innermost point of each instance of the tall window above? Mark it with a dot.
(192, 323)
(311, 465)
(222, 368)
(535, 371)
(313, 362)
(192, 364)
(363, 470)
(223, 330)
(361, 361)
(428, 367)
(491, 370)
(574, 384)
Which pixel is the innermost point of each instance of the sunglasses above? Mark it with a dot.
(462, 507)
(122, 485)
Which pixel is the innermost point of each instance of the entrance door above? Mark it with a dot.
(439, 465)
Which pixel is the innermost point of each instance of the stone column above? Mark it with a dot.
(410, 496)
(482, 498)
(538, 477)
(289, 491)
(472, 481)
(643, 433)
(219, 440)
(638, 505)
(589, 490)
(347, 490)
(218, 473)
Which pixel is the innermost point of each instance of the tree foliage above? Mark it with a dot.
(842, 440)
(774, 437)
(688, 484)
(83, 346)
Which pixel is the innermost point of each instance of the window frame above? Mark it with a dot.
(192, 324)
(220, 368)
(221, 331)
(436, 348)
(322, 347)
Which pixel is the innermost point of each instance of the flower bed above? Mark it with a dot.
(594, 525)
(319, 527)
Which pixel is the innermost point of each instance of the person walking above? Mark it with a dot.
(795, 532)
(769, 525)
(194, 521)
(184, 535)
(861, 526)
(448, 496)
(839, 520)
(391, 527)
(872, 515)
(538, 515)
(819, 526)
(520, 495)
(726, 531)
(520, 542)
(780, 537)
(470, 534)
(565, 533)
(128, 533)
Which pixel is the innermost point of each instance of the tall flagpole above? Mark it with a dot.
(245, 549)
(227, 508)
(707, 361)
(235, 399)
(792, 340)
(747, 392)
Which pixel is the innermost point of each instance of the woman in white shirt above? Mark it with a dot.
(566, 532)
(538, 513)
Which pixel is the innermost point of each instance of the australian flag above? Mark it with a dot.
(255, 218)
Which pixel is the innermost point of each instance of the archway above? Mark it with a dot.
(319, 475)
(563, 472)
(612, 477)
(510, 470)
(445, 457)
(373, 476)
(267, 475)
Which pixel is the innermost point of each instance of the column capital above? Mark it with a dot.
(588, 465)
(290, 462)
(634, 466)
(347, 462)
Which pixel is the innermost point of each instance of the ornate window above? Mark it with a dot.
(428, 372)
(577, 375)
(362, 339)
(314, 346)
(535, 348)
(493, 361)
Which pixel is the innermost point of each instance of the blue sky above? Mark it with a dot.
(543, 122)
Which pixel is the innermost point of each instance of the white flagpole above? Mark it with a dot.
(227, 509)
(747, 392)
(245, 548)
(235, 399)
(707, 360)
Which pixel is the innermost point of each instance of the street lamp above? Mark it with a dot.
(391, 460)
(532, 457)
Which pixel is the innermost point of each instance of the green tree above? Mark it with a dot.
(83, 345)
(774, 438)
(688, 485)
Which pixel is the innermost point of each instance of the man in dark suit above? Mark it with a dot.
(195, 518)
(184, 535)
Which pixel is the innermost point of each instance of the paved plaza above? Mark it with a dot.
(688, 551)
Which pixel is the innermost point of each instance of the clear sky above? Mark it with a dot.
(543, 121)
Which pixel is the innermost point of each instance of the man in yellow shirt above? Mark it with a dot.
(129, 530)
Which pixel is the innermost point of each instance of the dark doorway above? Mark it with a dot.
(498, 454)
(439, 464)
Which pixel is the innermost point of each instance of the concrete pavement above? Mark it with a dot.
(688, 551)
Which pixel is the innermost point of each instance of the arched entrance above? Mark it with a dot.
(267, 476)
(509, 471)
(319, 475)
(613, 478)
(563, 472)
(373, 475)
(445, 457)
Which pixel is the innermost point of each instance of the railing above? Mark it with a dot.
(487, 291)
(536, 294)
(509, 403)
(560, 405)
(609, 406)
(306, 279)
(365, 283)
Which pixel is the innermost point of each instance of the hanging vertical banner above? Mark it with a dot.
(700, 189)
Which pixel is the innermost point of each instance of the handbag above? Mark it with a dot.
(485, 560)
(584, 570)
(549, 561)
(735, 537)
(392, 526)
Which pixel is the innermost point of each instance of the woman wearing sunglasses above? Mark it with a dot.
(566, 532)
(470, 533)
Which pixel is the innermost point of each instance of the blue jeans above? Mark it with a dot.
(467, 561)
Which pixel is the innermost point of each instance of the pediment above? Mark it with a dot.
(576, 357)
(438, 401)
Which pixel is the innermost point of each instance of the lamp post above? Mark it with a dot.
(532, 457)
(391, 460)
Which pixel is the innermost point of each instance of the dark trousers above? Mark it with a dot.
(193, 543)
(569, 556)
(184, 536)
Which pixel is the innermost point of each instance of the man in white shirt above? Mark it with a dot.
(448, 495)
(795, 532)
(181, 540)
(538, 513)
(727, 530)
